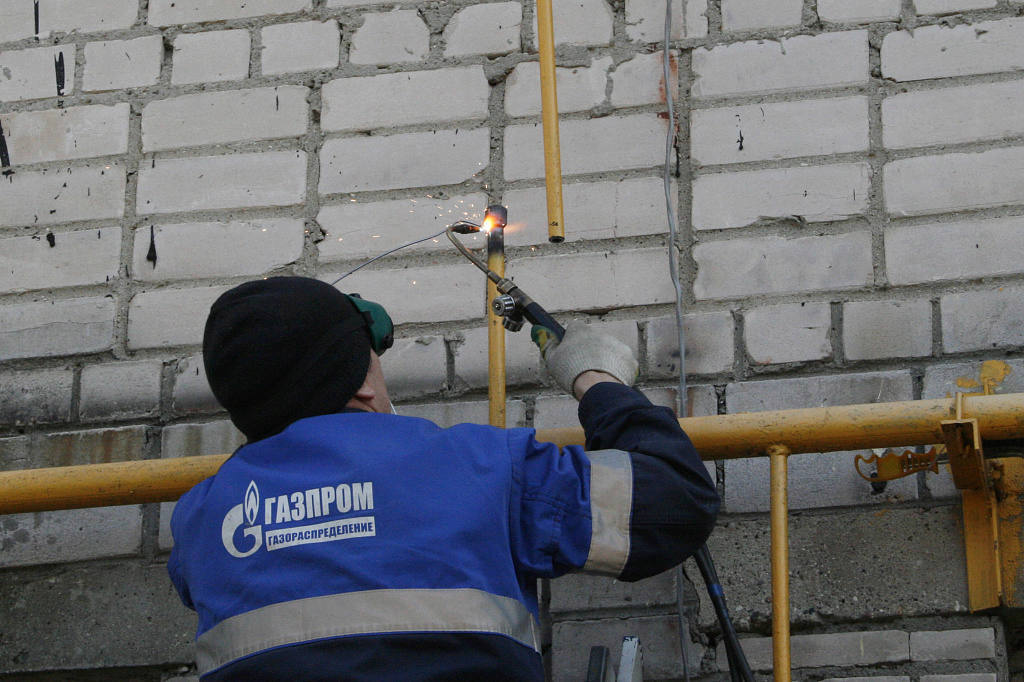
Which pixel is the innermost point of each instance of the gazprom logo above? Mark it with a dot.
(251, 502)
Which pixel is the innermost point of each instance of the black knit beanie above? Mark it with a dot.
(282, 349)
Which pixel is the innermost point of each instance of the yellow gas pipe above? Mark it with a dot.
(779, 456)
(549, 115)
(495, 331)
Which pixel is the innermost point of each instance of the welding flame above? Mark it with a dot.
(252, 502)
(488, 225)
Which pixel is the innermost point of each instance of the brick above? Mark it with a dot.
(304, 46)
(168, 12)
(645, 20)
(883, 678)
(408, 98)
(709, 344)
(70, 535)
(834, 649)
(592, 210)
(61, 134)
(84, 17)
(76, 258)
(211, 56)
(941, 381)
(490, 29)
(415, 367)
(89, 192)
(954, 182)
(790, 332)
(522, 359)
(950, 6)
(223, 117)
(94, 446)
(798, 63)
(588, 146)
(15, 453)
(576, 592)
(952, 645)
(562, 410)
(169, 317)
(118, 64)
(54, 328)
(31, 74)
(579, 22)
(420, 294)
(443, 157)
(196, 250)
(35, 396)
(228, 181)
(965, 677)
(449, 413)
(390, 38)
(19, 20)
(950, 115)
(779, 130)
(938, 51)
(363, 229)
(579, 89)
(121, 390)
(805, 193)
(858, 11)
(977, 320)
(887, 329)
(747, 15)
(741, 267)
(191, 392)
(641, 80)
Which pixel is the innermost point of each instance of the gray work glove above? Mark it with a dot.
(584, 349)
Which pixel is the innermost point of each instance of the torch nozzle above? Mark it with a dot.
(464, 227)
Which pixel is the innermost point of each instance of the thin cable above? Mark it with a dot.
(386, 253)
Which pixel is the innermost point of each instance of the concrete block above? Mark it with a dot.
(952, 645)
(15, 453)
(833, 649)
(579, 23)
(588, 146)
(977, 320)
(963, 50)
(887, 329)
(211, 56)
(121, 390)
(779, 130)
(76, 258)
(748, 15)
(54, 328)
(942, 381)
(228, 181)
(196, 250)
(450, 413)
(191, 391)
(950, 6)
(170, 317)
(61, 134)
(645, 20)
(70, 535)
(366, 228)
(641, 80)
(963, 250)
(442, 157)
(408, 98)
(490, 29)
(790, 332)
(741, 267)
(858, 11)
(90, 192)
(32, 73)
(94, 446)
(415, 367)
(822, 391)
(964, 677)
(806, 193)
(579, 88)
(522, 359)
(577, 592)
(709, 344)
(67, 16)
(954, 182)
(302, 46)
(35, 396)
(420, 293)
(19, 20)
(119, 64)
(213, 117)
(168, 12)
(799, 63)
(390, 38)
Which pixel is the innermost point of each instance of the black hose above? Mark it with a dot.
(739, 668)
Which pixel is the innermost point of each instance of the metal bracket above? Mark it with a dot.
(889, 465)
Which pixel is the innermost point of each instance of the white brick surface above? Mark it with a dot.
(798, 63)
(443, 157)
(942, 381)
(937, 51)
(611, 143)
(76, 258)
(885, 678)
(641, 80)
(212, 182)
(950, 6)
(887, 329)
(741, 267)
(47, 329)
(645, 19)
(580, 22)
(30, 74)
(959, 250)
(709, 344)
(579, 88)
(191, 391)
(169, 317)
(88, 192)
(834, 649)
(84, 17)
(952, 645)
(408, 98)
(70, 535)
(420, 294)
(522, 359)
(951, 115)
(390, 38)
(194, 250)
(18, 21)
(222, 117)
(488, 29)
(450, 413)
(779, 130)
(963, 677)
(790, 332)
(415, 367)
(167, 12)
(858, 11)
(745, 15)
(120, 390)
(211, 56)
(35, 396)
(935, 184)
(808, 193)
(302, 46)
(60, 134)
(979, 320)
(117, 64)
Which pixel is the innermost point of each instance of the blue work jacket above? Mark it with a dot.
(360, 546)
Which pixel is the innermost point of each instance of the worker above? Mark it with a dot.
(345, 542)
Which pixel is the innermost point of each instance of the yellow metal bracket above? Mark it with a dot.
(889, 465)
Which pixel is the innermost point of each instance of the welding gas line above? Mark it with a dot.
(387, 253)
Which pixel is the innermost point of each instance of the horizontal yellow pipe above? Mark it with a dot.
(821, 429)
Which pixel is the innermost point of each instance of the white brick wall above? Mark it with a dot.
(950, 6)
(645, 19)
(35, 396)
(522, 359)
(944, 645)
(120, 390)
(302, 46)
(709, 344)
(30, 74)
(858, 11)
(170, 317)
(90, 192)
(210, 56)
(191, 391)
(76, 258)
(419, 294)
(167, 12)
(450, 413)
(579, 88)
(53, 328)
(978, 320)
(959, 250)
(937, 51)
(117, 64)
(414, 367)
(489, 29)
(745, 15)
(390, 38)
(641, 80)
(62, 134)
(791, 332)
(18, 20)
(72, 535)
(84, 17)
(833, 649)
(887, 329)
(580, 22)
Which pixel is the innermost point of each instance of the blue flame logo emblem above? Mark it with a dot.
(252, 502)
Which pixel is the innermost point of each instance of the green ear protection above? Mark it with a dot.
(377, 321)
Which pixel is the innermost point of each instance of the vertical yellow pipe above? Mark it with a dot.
(495, 332)
(779, 456)
(549, 111)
